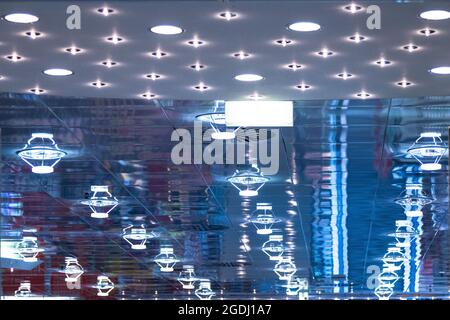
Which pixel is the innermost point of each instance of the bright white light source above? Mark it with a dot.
(24, 289)
(166, 259)
(33, 34)
(104, 286)
(58, 72)
(304, 26)
(105, 11)
(435, 15)
(41, 152)
(114, 39)
(101, 202)
(248, 182)
(187, 277)
(263, 218)
(21, 18)
(28, 249)
(441, 70)
(248, 77)
(259, 113)
(14, 57)
(223, 135)
(394, 257)
(73, 270)
(384, 292)
(428, 150)
(204, 291)
(136, 236)
(166, 29)
(228, 15)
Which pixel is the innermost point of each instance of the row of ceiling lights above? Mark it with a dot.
(302, 26)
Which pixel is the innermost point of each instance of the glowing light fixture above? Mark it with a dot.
(104, 286)
(14, 57)
(412, 199)
(274, 247)
(295, 285)
(388, 278)
(357, 38)
(248, 77)
(285, 268)
(33, 34)
(427, 32)
(166, 29)
(248, 181)
(21, 18)
(187, 277)
(441, 70)
(136, 236)
(101, 202)
(228, 15)
(304, 26)
(204, 291)
(394, 257)
(404, 233)
(115, 39)
(428, 149)
(284, 42)
(241, 55)
(384, 292)
(166, 259)
(105, 11)
(435, 15)
(24, 289)
(42, 153)
(216, 120)
(73, 270)
(58, 72)
(353, 8)
(109, 63)
(263, 218)
(259, 114)
(28, 249)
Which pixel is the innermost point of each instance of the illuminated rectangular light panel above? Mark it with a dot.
(259, 113)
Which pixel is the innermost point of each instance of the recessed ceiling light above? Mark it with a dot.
(153, 76)
(14, 57)
(441, 70)
(98, 84)
(303, 87)
(325, 53)
(158, 54)
(105, 11)
(404, 83)
(37, 90)
(166, 29)
(410, 47)
(148, 95)
(196, 43)
(248, 77)
(353, 8)
(344, 75)
(435, 15)
(58, 72)
(33, 34)
(363, 95)
(383, 62)
(197, 66)
(427, 32)
(284, 42)
(201, 87)
(228, 15)
(294, 66)
(2, 77)
(115, 39)
(256, 96)
(304, 26)
(73, 50)
(109, 63)
(21, 18)
(241, 55)
(357, 38)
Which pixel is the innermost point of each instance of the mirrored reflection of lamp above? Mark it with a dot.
(394, 257)
(187, 277)
(295, 285)
(104, 286)
(24, 289)
(263, 218)
(248, 182)
(428, 149)
(388, 277)
(101, 202)
(28, 249)
(413, 199)
(73, 269)
(204, 291)
(384, 292)
(41, 152)
(285, 268)
(404, 233)
(274, 247)
(166, 259)
(136, 236)
(217, 122)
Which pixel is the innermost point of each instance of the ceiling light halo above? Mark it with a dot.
(248, 77)
(166, 29)
(427, 32)
(105, 11)
(442, 70)
(20, 17)
(435, 15)
(353, 8)
(228, 15)
(304, 26)
(58, 72)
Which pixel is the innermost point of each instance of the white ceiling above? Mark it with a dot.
(258, 25)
